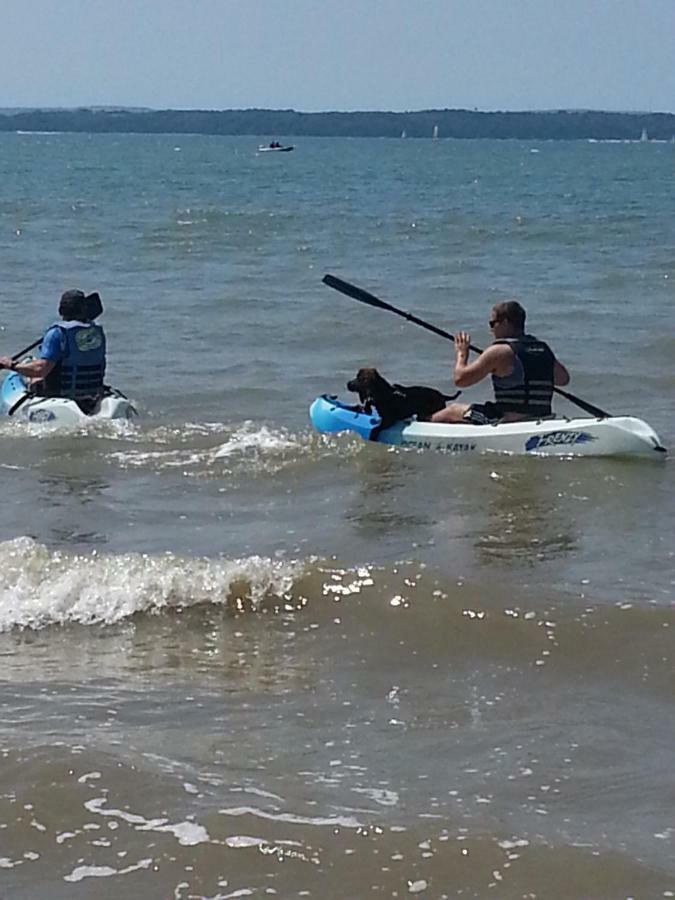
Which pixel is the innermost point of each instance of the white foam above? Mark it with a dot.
(175, 448)
(188, 834)
(239, 841)
(291, 818)
(168, 434)
(159, 459)
(93, 776)
(245, 440)
(379, 795)
(82, 872)
(111, 429)
(40, 587)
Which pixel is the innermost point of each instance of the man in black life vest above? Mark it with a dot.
(72, 357)
(523, 369)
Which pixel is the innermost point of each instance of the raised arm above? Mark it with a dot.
(497, 359)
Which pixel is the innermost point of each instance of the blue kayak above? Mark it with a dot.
(330, 415)
(12, 390)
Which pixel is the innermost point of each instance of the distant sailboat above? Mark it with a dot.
(644, 137)
(403, 134)
(435, 135)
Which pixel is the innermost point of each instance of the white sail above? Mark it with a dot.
(435, 132)
(643, 137)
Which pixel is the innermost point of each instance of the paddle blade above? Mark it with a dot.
(357, 293)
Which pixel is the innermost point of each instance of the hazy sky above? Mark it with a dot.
(339, 54)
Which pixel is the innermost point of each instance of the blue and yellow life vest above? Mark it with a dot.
(81, 371)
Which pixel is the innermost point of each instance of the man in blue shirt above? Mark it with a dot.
(72, 356)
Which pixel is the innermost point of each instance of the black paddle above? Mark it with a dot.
(28, 394)
(357, 293)
(25, 350)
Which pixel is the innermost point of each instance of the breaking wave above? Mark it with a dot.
(403, 604)
(41, 587)
(196, 448)
(200, 449)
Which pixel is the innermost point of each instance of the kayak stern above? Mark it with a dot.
(17, 403)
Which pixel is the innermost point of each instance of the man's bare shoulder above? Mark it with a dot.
(499, 358)
(498, 353)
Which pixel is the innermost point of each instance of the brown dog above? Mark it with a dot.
(394, 402)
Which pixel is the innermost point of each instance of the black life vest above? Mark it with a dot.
(528, 390)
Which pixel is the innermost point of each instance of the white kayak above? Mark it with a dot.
(17, 403)
(611, 436)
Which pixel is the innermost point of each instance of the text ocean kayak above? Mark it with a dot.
(56, 411)
(612, 436)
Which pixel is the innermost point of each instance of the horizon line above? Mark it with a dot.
(112, 107)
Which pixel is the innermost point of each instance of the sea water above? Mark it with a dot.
(239, 658)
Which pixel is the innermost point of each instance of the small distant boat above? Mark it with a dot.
(435, 134)
(403, 134)
(275, 148)
(644, 136)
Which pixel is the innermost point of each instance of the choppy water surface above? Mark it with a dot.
(242, 659)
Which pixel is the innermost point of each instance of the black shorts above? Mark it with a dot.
(483, 414)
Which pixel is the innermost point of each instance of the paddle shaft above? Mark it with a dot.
(363, 296)
(26, 349)
(17, 356)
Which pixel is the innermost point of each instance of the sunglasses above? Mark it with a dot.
(493, 322)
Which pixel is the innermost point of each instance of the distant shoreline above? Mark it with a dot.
(443, 123)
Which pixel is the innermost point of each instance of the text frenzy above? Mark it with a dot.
(557, 438)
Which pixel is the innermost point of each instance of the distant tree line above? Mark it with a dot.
(451, 123)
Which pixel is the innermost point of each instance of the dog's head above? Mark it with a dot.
(366, 381)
